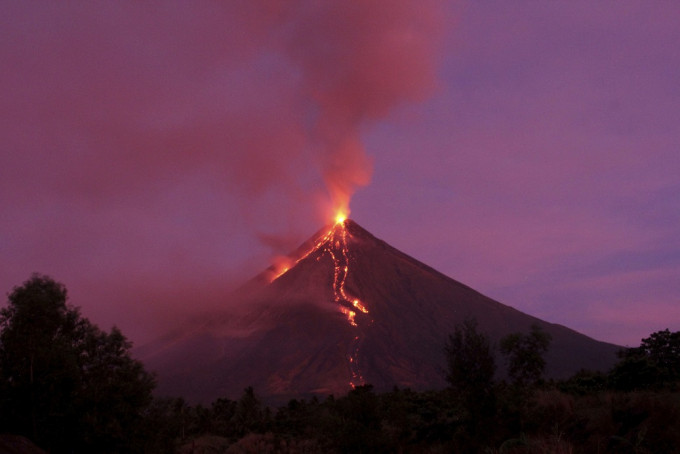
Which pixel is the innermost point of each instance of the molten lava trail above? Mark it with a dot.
(334, 243)
(336, 246)
(356, 378)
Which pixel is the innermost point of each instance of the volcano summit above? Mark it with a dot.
(344, 309)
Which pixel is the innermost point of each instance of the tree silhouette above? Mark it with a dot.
(469, 360)
(249, 415)
(654, 364)
(470, 371)
(525, 355)
(63, 382)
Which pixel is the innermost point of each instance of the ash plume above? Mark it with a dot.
(267, 102)
(339, 67)
(359, 60)
(146, 125)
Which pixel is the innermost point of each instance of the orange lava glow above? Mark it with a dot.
(356, 378)
(339, 252)
(279, 273)
(350, 317)
(279, 267)
(356, 303)
(340, 218)
(334, 243)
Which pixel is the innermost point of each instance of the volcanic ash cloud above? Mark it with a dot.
(358, 60)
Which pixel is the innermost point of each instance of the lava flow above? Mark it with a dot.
(337, 248)
(334, 242)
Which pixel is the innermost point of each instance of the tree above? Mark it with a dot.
(249, 415)
(114, 389)
(471, 367)
(63, 382)
(36, 361)
(355, 424)
(524, 353)
(654, 364)
(469, 360)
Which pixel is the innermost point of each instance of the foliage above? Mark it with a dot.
(470, 362)
(63, 382)
(654, 364)
(249, 415)
(414, 422)
(584, 382)
(524, 353)
(470, 373)
(38, 367)
(169, 422)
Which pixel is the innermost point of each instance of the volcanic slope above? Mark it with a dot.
(345, 309)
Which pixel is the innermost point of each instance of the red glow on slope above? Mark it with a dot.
(339, 252)
(279, 267)
(334, 243)
(353, 356)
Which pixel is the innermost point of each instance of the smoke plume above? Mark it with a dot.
(144, 140)
(358, 61)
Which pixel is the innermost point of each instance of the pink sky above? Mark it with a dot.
(153, 157)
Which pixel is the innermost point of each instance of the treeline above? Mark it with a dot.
(634, 408)
(72, 388)
(550, 421)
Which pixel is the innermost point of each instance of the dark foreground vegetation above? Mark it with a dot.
(70, 387)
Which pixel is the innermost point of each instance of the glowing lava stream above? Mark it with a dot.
(341, 269)
(334, 242)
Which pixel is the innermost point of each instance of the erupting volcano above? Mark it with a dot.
(344, 309)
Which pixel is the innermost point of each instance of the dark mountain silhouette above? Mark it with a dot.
(350, 310)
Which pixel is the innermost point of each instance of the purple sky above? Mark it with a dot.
(156, 155)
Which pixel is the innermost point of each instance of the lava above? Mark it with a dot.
(350, 315)
(340, 218)
(336, 246)
(334, 243)
(279, 267)
(353, 358)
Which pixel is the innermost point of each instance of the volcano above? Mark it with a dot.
(342, 310)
